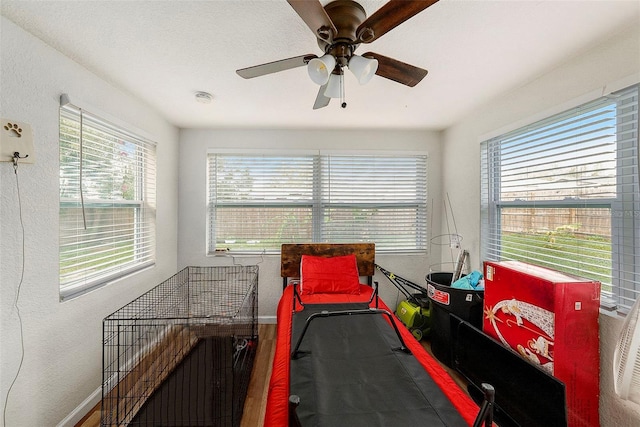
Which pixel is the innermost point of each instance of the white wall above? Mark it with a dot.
(613, 64)
(62, 341)
(192, 193)
(62, 364)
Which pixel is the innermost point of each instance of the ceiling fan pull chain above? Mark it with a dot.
(343, 104)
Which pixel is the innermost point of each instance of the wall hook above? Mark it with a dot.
(16, 157)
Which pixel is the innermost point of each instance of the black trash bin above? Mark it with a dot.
(466, 304)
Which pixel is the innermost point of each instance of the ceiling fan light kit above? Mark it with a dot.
(335, 86)
(340, 27)
(363, 68)
(321, 68)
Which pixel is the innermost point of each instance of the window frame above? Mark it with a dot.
(134, 200)
(624, 234)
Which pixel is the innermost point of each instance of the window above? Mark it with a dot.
(563, 193)
(107, 202)
(256, 202)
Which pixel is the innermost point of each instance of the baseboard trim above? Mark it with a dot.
(267, 319)
(82, 409)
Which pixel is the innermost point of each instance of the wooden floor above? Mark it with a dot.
(256, 401)
(255, 404)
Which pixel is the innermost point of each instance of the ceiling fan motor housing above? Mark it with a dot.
(346, 15)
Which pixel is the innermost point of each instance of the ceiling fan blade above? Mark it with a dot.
(275, 66)
(389, 16)
(313, 14)
(321, 100)
(397, 71)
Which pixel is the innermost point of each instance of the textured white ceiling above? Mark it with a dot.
(165, 51)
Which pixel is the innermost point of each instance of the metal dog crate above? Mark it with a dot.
(182, 353)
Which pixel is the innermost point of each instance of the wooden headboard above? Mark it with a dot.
(292, 254)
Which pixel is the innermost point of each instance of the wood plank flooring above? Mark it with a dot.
(256, 400)
(255, 404)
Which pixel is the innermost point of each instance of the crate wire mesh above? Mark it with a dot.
(181, 354)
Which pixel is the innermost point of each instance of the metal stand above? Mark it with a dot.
(294, 402)
(486, 410)
(403, 347)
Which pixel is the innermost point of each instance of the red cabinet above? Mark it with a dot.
(551, 319)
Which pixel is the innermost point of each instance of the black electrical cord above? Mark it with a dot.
(15, 302)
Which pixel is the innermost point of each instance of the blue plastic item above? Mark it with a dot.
(469, 282)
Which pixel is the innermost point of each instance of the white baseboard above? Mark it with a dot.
(267, 319)
(82, 409)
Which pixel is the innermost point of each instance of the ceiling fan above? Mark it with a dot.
(340, 27)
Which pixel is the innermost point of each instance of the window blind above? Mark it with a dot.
(375, 199)
(256, 203)
(107, 202)
(563, 193)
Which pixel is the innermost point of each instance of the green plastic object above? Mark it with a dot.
(417, 319)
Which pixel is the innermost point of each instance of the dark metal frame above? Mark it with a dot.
(145, 342)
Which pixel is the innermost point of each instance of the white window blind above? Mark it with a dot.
(107, 202)
(256, 203)
(564, 193)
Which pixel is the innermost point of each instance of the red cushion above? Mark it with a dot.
(334, 275)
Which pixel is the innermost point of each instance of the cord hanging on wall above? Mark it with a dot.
(15, 159)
